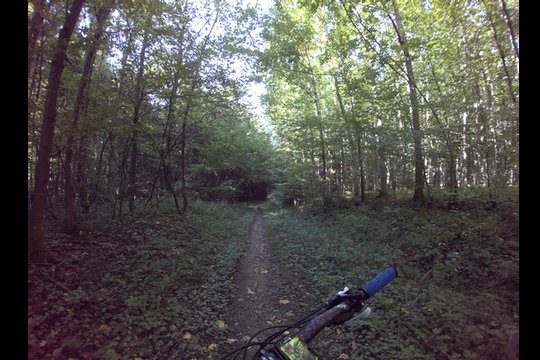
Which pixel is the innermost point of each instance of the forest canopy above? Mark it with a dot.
(129, 101)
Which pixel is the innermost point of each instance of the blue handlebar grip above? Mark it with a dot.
(379, 281)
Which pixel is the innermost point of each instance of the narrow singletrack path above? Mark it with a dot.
(264, 290)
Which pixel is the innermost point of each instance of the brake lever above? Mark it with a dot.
(361, 316)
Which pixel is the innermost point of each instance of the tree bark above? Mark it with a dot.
(37, 245)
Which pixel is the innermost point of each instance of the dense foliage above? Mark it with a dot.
(340, 77)
(144, 135)
(157, 107)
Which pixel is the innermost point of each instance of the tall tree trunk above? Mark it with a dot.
(353, 148)
(510, 26)
(503, 58)
(139, 96)
(70, 219)
(451, 154)
(383, 176)
(321, 132)
(37, 245)
(80, 180)
(361, 165)
(418, 157)
(36, 26)
(342, 167)
(117, 163)
(99, 168)
(166, 150)
(183, 142)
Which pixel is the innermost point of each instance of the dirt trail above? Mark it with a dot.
(264, 295)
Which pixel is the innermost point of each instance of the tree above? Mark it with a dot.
(37, 246)
(69, 187)
(415, 112)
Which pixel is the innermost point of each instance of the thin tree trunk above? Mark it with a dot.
(139, 96)
(361, 165)
(70, 219)
(94, 194)
(81, 180)
(168, 145)
(383, 177)
(418, 196)
(121, 192)
(321, 133)
(37, 245)
(189, 104)
(36, 26)
(503, 58)
(510, 25)
(183, 141)
(342, 167)
(353, 149)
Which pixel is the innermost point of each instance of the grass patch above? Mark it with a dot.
(457, 291)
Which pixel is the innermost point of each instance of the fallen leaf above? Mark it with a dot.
(283, 301)
(187, 336)
(57, 352)
(213, 346)
(231, 341)
(250, 292)
(138, 358)
(338, 331)
(104, 328)
(246, 338)
(343, 357)
(354, 346)
(220, 324)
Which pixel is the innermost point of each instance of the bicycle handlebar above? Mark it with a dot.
(310, 330)
(379, 281)
(338, 309)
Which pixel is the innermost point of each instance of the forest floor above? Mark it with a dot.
(159, 286)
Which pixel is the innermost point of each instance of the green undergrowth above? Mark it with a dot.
(152, 286)
(456, 296)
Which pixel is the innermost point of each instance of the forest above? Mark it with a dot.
(166, 137)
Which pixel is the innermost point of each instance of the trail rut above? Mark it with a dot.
(265, 292)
